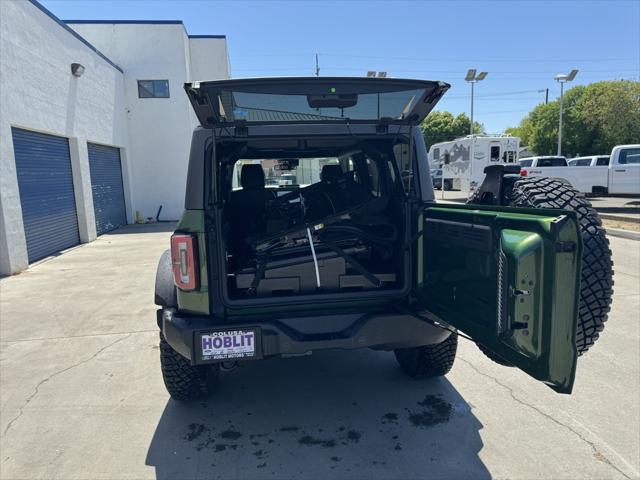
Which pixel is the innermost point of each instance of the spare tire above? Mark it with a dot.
(596, 286)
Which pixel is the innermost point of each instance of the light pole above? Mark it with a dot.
(562, 79)
(473, 78)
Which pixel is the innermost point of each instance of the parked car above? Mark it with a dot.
(621, 175)
(546, 161)
(436, 178)
(365, 257)
(592, 161)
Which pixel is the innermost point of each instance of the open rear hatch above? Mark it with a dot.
(313, 100)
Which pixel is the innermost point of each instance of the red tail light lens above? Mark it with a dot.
(185, 261)
(523, 173)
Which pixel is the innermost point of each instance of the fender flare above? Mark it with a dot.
(165, 290)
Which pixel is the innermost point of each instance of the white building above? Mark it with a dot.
(94, 125)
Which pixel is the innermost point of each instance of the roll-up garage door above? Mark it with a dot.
(45, 182)
(106, 185)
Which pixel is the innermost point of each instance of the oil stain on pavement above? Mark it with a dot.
(433, 411)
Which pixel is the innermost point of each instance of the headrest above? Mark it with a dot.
(252, 176)
(330, 173)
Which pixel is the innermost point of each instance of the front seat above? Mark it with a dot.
(330, 173)
(341, 188)
(247, 206)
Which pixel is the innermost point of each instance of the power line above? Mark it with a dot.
(505, 111)
(460, 72)
(440, 59)
(449, 59)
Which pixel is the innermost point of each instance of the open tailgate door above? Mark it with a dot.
(510, 279)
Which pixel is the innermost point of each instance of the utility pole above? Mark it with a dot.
(471, 124)
(560, 126)
(546, 94)
(472, 78)
(317, 66)
(562, 79)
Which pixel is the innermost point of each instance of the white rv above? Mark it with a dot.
(463, 160)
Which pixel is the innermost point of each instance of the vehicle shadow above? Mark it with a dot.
(335, 414)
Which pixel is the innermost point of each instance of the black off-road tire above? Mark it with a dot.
(183, 381)
(430, 360)
(596, 286)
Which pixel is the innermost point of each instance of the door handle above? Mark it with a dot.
(620, 170)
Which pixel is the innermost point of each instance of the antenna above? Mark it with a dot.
(317, 66)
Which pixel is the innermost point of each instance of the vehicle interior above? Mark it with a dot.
(313, 218)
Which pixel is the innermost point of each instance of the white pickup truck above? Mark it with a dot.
(621, 175)
(592, 161)
(548, 161)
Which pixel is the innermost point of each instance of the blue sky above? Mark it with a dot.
(522, 44)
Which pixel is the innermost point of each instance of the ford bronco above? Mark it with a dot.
(310, 223)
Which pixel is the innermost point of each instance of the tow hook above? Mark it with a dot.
(228, 367)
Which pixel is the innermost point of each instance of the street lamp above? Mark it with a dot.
(473, 78)
(562, 78)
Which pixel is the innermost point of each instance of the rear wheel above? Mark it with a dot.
(429, 360)
(596, 286)
(184, 381)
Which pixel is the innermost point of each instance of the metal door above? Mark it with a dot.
(45, 182)
(106, 186)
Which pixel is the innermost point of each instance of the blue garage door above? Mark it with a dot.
(106, 185)
(45, 182)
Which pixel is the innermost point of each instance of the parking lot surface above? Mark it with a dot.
(82, 395)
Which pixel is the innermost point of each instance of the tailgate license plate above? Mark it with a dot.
(226, 344)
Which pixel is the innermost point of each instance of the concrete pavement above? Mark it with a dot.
(82, 394)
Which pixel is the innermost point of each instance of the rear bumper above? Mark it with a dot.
(302, 335)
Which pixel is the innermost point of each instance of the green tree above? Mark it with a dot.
(596, 117)
(442, 126)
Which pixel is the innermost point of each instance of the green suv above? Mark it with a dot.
(310, 223)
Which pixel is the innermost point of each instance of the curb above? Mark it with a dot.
(617, 232)
(632, 210)
(622, 218)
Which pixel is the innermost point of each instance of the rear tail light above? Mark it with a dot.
(185, 261)
(523, 173)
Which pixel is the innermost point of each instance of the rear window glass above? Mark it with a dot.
(526, 163)
(583, 162)
(602, 161)
(268, 107)
(552, 162)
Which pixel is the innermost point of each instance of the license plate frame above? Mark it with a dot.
(208, 350)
